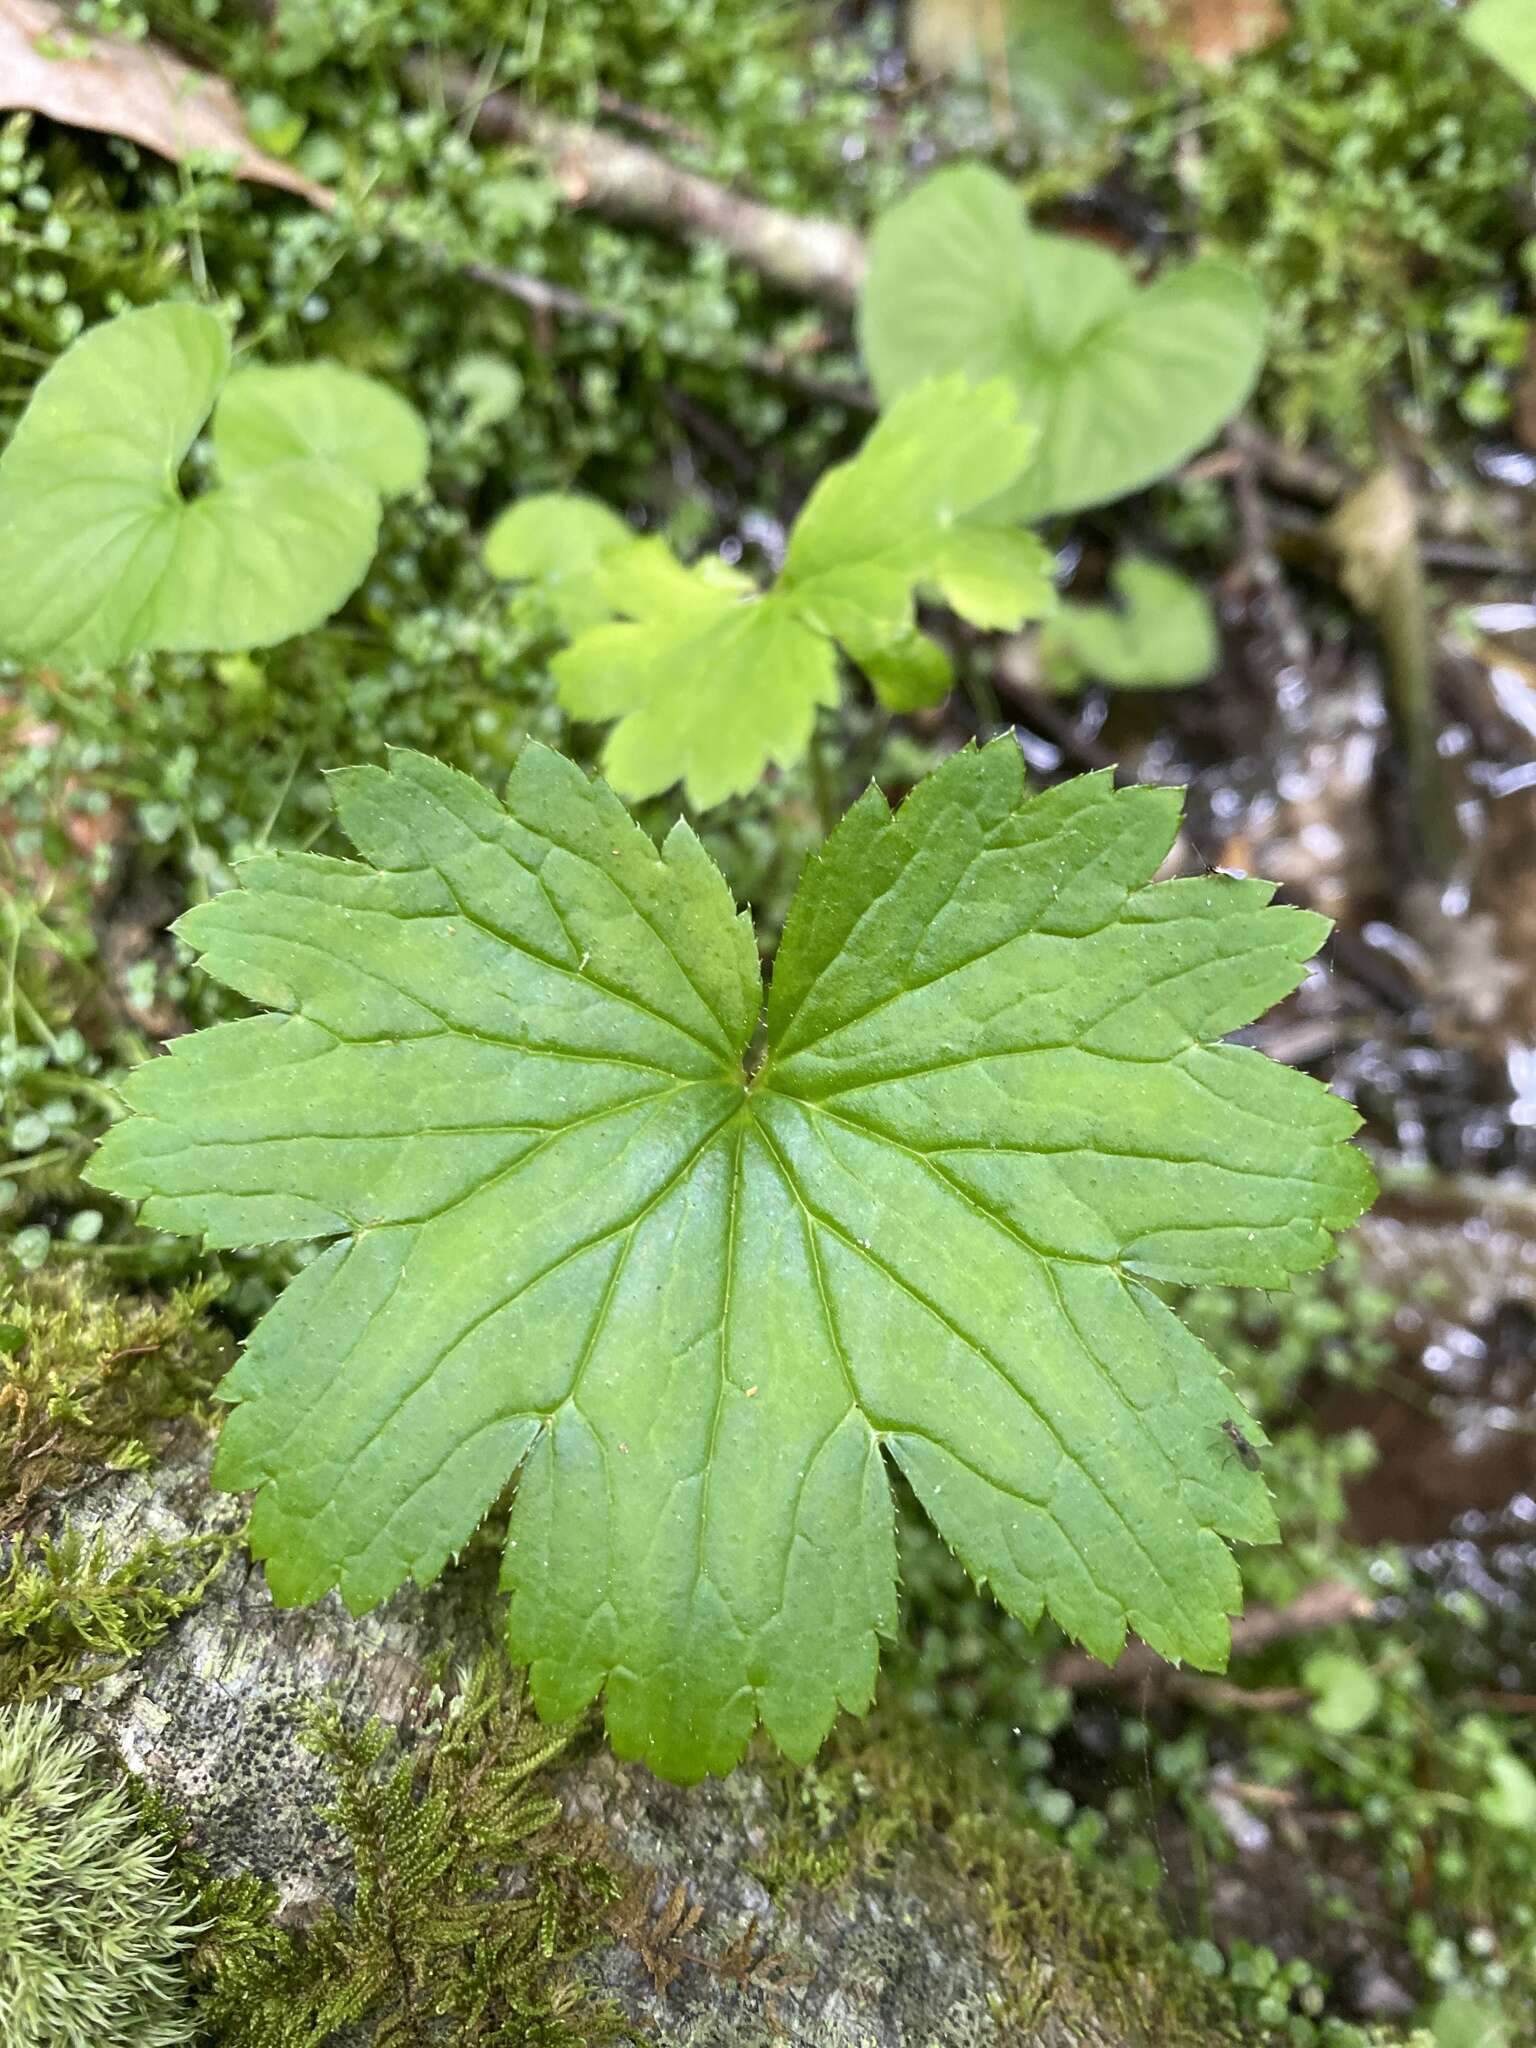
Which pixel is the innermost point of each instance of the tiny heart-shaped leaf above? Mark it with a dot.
(1123, 381)
(1160, 636)
(1346, 1693)
(103, 554)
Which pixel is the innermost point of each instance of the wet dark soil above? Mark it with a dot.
(1422, 1011)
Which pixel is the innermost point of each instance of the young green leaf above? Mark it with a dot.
(104, 556)
(1506, 31)
(1346, 1693)
(1122, 381)
(710, 681)
(573, 1229)
(1161, 635)
(557, 540)
(321, 411)
(1509, 1799)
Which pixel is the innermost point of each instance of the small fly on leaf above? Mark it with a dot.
(1245, 1450)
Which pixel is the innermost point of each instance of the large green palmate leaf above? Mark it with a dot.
(575, 1226)
(710, 681)
(1122, 381)
(101, 556)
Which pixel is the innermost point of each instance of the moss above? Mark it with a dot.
(472, 1901)
(70, 1615)
(92, 1924)
(203, 759)
(1065, 1939)
(1370, 168)
(86, 1375)
(89, 1374)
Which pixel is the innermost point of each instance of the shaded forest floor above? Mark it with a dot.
(1343, 1830)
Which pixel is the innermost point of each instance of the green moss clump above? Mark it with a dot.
(70, 1615)
(87, 1372)
(1066, 1940)
(92, 1924)
(472, 1900)
(1371, 169)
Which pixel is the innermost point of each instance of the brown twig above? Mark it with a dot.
(1312, 479)
(1260, 563)
(647, 118)
(1297, 472)
(814, 258)
(1321, 1606)
(1219, 1695)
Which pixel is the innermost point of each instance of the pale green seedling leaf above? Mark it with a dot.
(1346, 1693)
(1069, 66)
(1505, 30)
(489, 388)
(1462, 2021)
(1122, 381)
(646, 581)
(1509, 1798)
(709, 699)
(894, 517)
(319, 410)
(557, 540)
(702, 1301)
(710, 681)
(102, 555)
(909, 674)
(1072, 65)
(1160, 635)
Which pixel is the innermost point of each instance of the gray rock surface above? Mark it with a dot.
(211, 1715)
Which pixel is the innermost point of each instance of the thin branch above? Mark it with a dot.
(817, 259)
(1297, 472)
(1260, 563)
(1220, 1695)
(1321, 1606)
(1309, 478)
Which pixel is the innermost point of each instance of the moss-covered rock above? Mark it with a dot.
(360, 1857)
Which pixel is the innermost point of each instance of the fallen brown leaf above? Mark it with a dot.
(136, 90)
(1216, 32)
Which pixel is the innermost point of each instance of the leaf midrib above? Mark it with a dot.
(815, 1216)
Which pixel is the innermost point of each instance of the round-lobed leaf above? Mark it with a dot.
(319, 411)
(1506, 31)
(1123, 381)
(1346, 1692)
(701, 1301)
(103, 554)
(1160, 636)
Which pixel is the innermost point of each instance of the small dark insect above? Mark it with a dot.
(1245, 1450)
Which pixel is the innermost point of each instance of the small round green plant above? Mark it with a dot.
(91, 1925)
